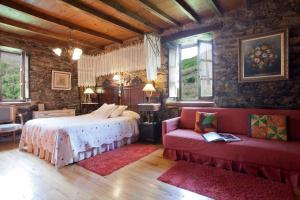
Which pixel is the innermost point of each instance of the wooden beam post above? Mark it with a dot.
(97, 13)
(191, 32)
(157, 12)
(113, 4)
(42, 31)
(188, 10)
(218, 10)
(33, 12)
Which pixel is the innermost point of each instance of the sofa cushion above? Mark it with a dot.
(271, 153)
(268, 127)
(206, 122)
(236, 120)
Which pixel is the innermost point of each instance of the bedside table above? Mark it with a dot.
(89, 107)
(150, 125)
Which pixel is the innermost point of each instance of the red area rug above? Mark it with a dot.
(110, 161)
(222, 184)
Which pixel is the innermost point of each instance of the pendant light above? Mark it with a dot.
(74, 52)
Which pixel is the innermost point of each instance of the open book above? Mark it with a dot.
(220, 137)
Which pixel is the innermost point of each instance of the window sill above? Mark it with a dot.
(15, 103)
(190, 104)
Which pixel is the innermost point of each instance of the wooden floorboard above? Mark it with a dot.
(25, 176)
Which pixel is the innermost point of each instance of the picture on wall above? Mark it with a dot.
(61, 80)
(264, 57)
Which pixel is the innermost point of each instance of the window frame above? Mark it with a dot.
(210, 98)
(23, 88)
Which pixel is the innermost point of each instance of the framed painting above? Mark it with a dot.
(61, 80)
(264, 57)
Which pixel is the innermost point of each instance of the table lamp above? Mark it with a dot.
(89, 91)
(148, 89)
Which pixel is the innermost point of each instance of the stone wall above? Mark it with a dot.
(42, 62)
(263, 16)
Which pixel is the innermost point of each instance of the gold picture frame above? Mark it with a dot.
(61, 80)
(264, 57)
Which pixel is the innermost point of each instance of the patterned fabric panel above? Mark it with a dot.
(273, 127)
(206, 122)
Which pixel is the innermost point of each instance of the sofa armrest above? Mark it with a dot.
(170, 125)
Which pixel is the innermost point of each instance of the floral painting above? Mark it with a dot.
(263, 57)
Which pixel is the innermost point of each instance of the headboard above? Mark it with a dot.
(130, 96)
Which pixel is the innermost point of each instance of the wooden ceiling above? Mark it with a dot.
(98, 23)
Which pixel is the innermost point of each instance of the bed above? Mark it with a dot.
(65, 140)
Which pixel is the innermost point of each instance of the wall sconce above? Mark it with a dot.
(88, 92)
(148, 89)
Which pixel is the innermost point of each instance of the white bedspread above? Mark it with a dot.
(63, 138)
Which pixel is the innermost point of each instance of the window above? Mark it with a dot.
(191, 71)
(13, 74)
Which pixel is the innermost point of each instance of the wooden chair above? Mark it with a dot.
(8, 120)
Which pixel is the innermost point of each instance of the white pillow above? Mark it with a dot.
(105, 110)
(128, 113)
(117, 112)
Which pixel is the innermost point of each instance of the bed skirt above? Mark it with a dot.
(271, 173)
(48, 156)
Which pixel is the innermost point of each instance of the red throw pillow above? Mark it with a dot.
(206, 122)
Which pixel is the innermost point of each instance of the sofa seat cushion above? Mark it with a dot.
(278, 154)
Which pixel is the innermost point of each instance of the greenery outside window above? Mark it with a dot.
(191, 71)
(14, 65)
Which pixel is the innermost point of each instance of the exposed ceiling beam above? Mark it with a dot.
(33, 12)
(97, 13)
(113, 4)
(218, 10)
(42, 31)
(50, 44)
(158, 12)
(191, 32)
(188, 10)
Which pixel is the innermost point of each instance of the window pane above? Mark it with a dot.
(206, 87)
(173, 71)
(189, 74)
(10, 75)
(205, 68)
(205, 51)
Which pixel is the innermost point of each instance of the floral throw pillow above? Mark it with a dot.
(206, 122)
(273, 127)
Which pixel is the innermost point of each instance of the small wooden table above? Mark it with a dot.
(89, 107)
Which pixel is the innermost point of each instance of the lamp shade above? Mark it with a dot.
(99, 90)
(88, 91)
(149, 88)
(76, 54)
(57, 51)
(116, 77)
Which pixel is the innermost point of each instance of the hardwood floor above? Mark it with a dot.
(24, 176)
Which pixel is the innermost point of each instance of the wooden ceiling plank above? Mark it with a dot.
(41, 15)
(97, 13)
(188, 10)
(51, 44)
(42, 31)
(113, 4)
(218, 10)
(191, 32)
(157, 12)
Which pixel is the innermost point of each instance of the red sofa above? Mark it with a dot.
(275, 160)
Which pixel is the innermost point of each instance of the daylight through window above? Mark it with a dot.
(191, 70)
(13, 74)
